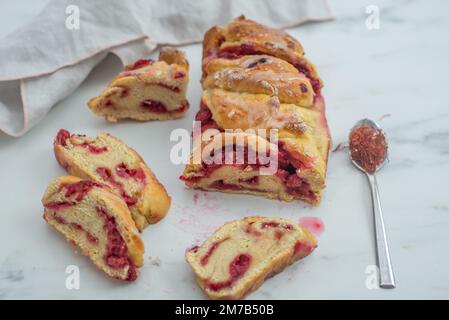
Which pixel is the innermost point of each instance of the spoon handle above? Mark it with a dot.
(383, 254)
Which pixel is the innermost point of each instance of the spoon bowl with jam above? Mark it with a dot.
(369, 151)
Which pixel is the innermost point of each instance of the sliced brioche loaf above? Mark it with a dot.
(147, 90)
(240, 255)
(97, 222)
(106, 159)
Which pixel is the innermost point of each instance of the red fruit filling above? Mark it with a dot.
(287, 165)
(89, 236)
(205, 259)
(270, 224)
(93, 149)
(179, 75)
(301, 247)
(79, 189)
(116, 251)
(107, 176)
(76, 226)
(193, 249)
(237, 268)
(158, 107)
(140, 64)
(124, 171)
(62, 137)
(57, 205)
(205, 117)
(250, 230)
(153, 106)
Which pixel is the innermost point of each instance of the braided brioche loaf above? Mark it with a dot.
(96, 221)
(256, 78)
(240, 255)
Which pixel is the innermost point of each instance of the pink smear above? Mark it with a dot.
(313, 224)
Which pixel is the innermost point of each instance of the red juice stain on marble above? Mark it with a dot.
(314, 224)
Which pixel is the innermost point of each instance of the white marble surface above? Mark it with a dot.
(400, 69)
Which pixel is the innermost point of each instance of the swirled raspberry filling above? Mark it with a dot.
(269, 224)
(252, 231)
(140, 64)
(301, 247)
(204, 115)
(235, 52)
(205, 259)
(79, 189)
(92, 239)
(158, 107)
(288, 164)
(57, 205)
(93, 149)
(116, 251)
(62, 137)
(179, 75)
(237, 268)
(124, 171)
(106, 175)
(153, 106)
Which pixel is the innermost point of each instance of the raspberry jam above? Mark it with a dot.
(124, 171)
(302, 248)
(153, 106)
(205, 259)
(116, 251)
(106, 175)
(140, 64)
(237, 268)
(79, 189)
(93, 149)
(62, 137)
(57, 205)
(368, 147)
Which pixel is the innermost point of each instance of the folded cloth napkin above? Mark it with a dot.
(47, 60)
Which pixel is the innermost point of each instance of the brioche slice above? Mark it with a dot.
(97, 222)
(147, 90)
(240, 255)
(106, 159)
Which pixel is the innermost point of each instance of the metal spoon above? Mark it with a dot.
(383, 253)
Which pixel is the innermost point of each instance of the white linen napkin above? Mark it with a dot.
(46, 60)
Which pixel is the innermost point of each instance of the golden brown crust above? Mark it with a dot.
(98, 196)
(153, 201)
(246, 37)
(147, 90)
(252, 239)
